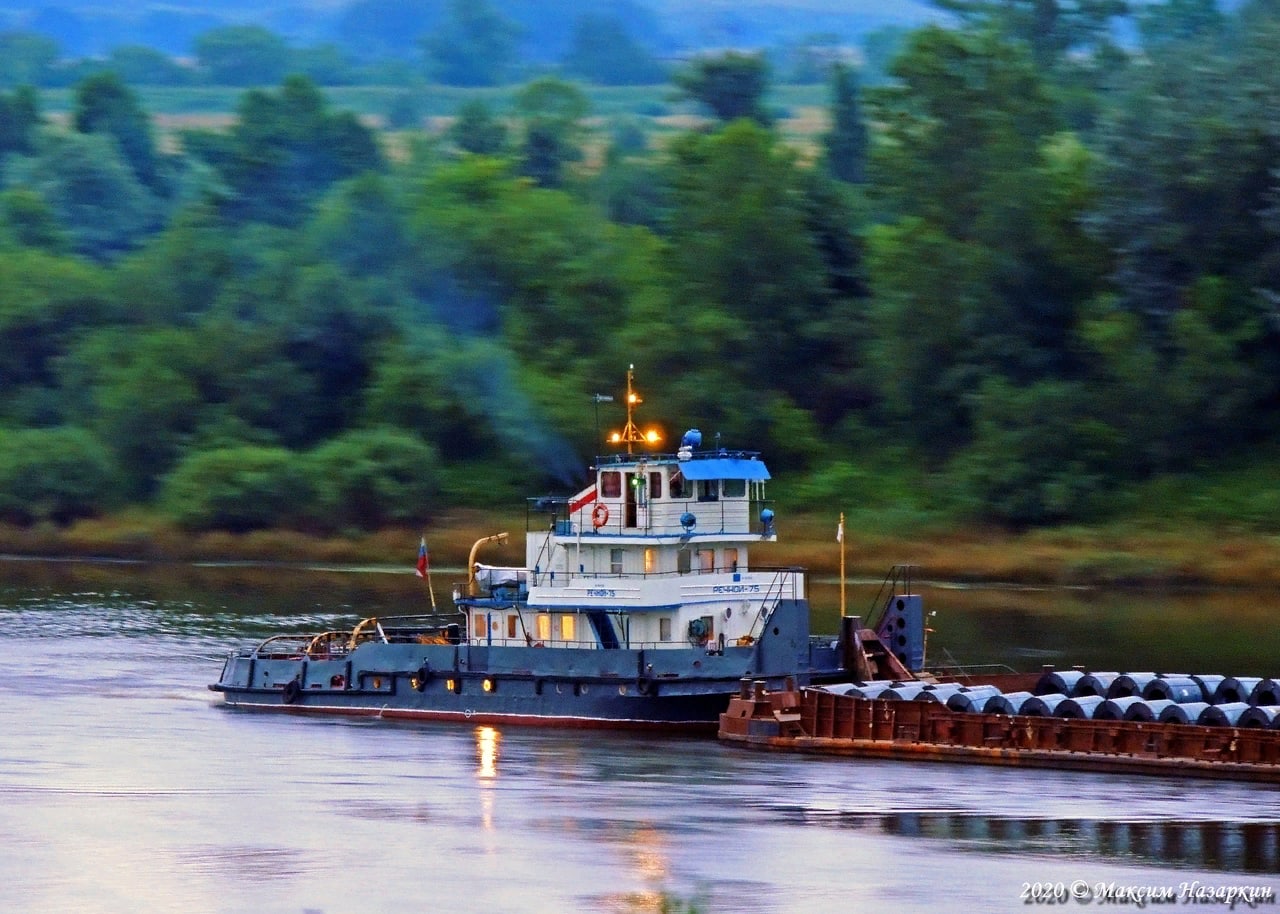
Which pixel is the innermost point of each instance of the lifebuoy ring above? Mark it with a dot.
(600, 516)
(292, 691)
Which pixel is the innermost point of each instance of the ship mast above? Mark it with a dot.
(631, 433)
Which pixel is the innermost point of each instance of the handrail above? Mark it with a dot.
(542, 578)
(898, 575)
(780, 578)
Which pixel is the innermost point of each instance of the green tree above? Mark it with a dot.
(1040, 455)
(30, 221)
(631, 187)
(242, 55)
(477, 131)
(53, 474)
(1186, 199)
(287, 148)
(45, 302)
(103, 104)
(237, 488)
(846, 142)
(972, 156)
(1052, 29)
(182, 271)
(414, 387)
(732, 85)
(135, 391)
(602, 51)
(19, 118)
(551, 111)
(474, 45)
(369, 478)
(361, 227)
(94, 194)
(756, 269)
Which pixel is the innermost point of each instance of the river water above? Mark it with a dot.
(125, 787)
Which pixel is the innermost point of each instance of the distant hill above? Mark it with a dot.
(95, 28)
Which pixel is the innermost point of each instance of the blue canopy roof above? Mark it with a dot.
(724, 468)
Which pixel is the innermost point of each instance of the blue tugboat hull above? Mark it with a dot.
(670, 689)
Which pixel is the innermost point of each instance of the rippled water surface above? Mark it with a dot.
(125, 787)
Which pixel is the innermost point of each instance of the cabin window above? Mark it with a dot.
(544, 627)
(731, 559)
(707, 560)
(615, 561)
(567, 632)
(708, 490)
(655, 485)
(683, 561)
(734, 488)
(680, 487)
(513, 622)
(664, 628)
(611, 484)
(650, 560)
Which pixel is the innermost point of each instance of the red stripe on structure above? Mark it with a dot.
(575, 506)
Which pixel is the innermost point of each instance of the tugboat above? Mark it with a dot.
(638, 606)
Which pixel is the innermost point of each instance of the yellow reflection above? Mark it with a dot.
(487, 753)
(649, 855)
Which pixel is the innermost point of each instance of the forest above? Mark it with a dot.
(1026, 275)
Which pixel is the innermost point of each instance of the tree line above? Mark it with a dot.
(1033, 269)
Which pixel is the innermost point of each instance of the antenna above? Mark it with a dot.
(630, 433)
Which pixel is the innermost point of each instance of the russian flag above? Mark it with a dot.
(422, 558)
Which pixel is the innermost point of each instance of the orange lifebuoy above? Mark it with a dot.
(600, 516)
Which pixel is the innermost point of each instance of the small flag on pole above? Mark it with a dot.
(422, 558)
(840, 530)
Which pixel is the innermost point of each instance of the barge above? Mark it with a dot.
(1046, 720)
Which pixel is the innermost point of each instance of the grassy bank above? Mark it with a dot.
(1060, 556)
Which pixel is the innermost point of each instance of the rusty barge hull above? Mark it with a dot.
(817, 722)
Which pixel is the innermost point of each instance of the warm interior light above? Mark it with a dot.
(488, 685)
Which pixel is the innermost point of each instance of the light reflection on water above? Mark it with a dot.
(125, 787)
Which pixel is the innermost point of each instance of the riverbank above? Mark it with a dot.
(1059, 556)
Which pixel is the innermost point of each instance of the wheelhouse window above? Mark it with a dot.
(731, 559)
(513, 622)
(544, 627)
(707, 560)
(615, 561)
(708, 490)
(680, 487)
(655, 485)
(568, 631)
(611, 484)
(734, 488)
